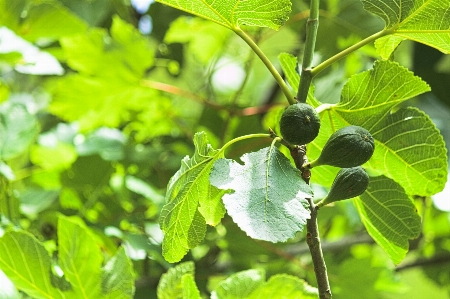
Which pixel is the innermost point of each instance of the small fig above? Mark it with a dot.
(348, 183)
(347, 147)
(299, 124)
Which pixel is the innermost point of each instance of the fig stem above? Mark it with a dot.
(311, 34)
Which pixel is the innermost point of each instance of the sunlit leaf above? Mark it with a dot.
(184, 226)
(79, 257)
(408, 147)
(291, 70)
(27, 263)
(117, 277)
(389, 215)
(269, 199)
(25, 57)
(44, 19)
(190, 289)
(427, 22)
(411, 151)
(18, 128)
(8, 290)
(283, 286)
(205, 39)
(170, 284)
(240, 285)
(234, 13)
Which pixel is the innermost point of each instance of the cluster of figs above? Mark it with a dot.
(347, 148)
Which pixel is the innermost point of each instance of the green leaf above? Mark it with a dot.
(370, 95)
(283, 286)
(240, 285)
(43, 19)
(190, 290)
(290, 67)
(367, 101)
(205, 39)
(182, 220)
(8, 290)
(79, 257)
(389, 216)
(269, 199)
(25, 57)
(18, 128)
(117, 276)
(410, 150)
(9, 204)
(427, 22)
(234, 13)
(170, 284)
(26, 262)
(59, 157)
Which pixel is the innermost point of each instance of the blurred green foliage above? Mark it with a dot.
(95, 121)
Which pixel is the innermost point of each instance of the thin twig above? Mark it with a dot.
(313, 241)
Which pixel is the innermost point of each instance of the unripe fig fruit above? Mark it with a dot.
(348, 183)
(348, 147)
(299, 124)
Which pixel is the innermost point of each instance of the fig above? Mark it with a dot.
(299, 124)
(348, 183)
(347, 147)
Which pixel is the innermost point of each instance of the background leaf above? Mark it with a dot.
(27, 263)
(389, 215)
(117, 276)
(18, 128)
(283, 286)
(240, 285)
(170, 284)
(427, 22)
(234, 13)
(184, 226)
(269, 199)
(79, 257)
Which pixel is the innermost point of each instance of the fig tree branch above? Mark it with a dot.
(311, 34)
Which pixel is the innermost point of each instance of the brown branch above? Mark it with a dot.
(313, 241)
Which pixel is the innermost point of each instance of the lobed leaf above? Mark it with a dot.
(411, 151)
(234, 13)
(408, 147)
(268, 200)
(389, 215)
(424, 21)
(190, 199)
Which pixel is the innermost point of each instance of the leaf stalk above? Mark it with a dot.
(348, 51)
(268, 64)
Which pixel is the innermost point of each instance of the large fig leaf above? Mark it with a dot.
(190, 200)
(233, 13)
(389, 215)
(268, 200)
(424, 21)
(408, 147)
